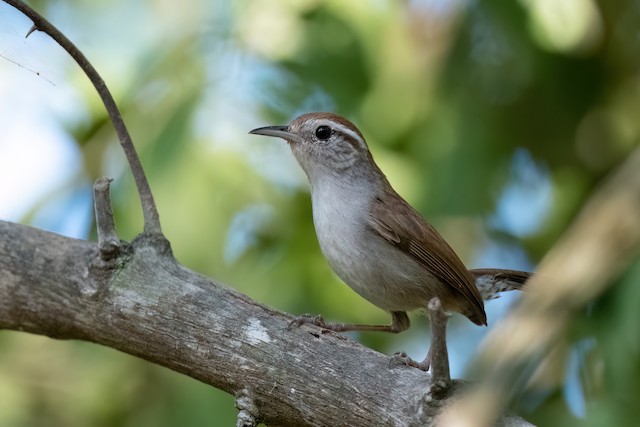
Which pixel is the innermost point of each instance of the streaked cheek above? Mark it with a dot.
(342, 154)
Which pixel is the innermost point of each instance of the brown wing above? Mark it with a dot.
(404, 227)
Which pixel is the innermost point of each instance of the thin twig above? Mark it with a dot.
(108, 241)
(149, 210)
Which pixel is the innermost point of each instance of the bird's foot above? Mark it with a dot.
(317, 320)
(401, 358)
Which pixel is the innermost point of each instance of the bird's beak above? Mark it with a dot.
(278, 132)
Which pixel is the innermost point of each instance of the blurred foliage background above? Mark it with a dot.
(495, 119)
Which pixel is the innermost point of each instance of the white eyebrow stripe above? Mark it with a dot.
(350, 132)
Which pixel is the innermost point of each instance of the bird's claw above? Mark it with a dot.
(403, 359)
(317, 320)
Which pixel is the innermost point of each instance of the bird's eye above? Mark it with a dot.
(323, 132)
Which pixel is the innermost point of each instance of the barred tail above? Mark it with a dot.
(491, 282)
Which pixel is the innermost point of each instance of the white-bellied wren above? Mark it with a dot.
(373, 239)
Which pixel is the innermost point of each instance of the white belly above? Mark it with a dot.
(371, 266)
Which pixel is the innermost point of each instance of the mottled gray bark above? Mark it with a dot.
(146, 304)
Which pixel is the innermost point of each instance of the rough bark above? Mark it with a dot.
(146, 304)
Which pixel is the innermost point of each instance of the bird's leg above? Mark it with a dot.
(399, 323)
(437, 358)
(438, 355)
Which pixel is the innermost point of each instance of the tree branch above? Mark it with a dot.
(149, 210)
(148, 305)
(599, 246)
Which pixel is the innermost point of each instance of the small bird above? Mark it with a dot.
(373, 239)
